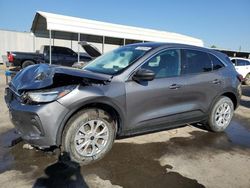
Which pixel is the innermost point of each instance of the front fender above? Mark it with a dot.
(75, 101)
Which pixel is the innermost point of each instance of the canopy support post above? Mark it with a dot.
(34, 42)
(50, 47)
(79, 38)
(103, 41)
(124, 42)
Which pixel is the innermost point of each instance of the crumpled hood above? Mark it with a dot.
(41, 76)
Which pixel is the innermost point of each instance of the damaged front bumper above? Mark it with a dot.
(37, 124)
(32, 100)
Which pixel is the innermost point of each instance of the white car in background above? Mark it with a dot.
(242, 66)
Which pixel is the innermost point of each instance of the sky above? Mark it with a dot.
(223, 23)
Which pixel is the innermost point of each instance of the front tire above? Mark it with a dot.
(88, 135)
(221, 114)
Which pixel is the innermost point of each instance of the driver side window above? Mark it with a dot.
(166, 64)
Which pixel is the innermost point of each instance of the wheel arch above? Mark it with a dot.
(230, 94)
(233, 98)
(112, 109)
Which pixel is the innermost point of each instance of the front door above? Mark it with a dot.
(150, 103)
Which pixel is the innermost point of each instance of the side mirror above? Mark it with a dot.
(144, 75)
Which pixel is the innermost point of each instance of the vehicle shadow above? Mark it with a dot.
(63, 173)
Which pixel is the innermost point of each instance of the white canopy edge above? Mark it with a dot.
(56, 22)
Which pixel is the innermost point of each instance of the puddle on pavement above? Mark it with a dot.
(6, 139)
(239, 131)
(127, 164)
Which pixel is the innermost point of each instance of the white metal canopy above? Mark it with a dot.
(47, 21)
(71, 28)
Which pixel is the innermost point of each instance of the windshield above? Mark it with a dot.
(116, 61)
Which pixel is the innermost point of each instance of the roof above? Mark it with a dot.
(45, 21)
(166, 44)
(162, 45)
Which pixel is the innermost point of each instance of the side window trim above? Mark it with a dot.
(181, 59)
(200, 50)
(209, 53)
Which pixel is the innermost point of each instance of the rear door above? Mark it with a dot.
(203, 81)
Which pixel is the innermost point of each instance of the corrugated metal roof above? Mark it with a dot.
(44, 21)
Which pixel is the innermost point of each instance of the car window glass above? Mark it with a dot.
(247, 63)
(217, 64)
(241, 62)
(165, 64)
(121, 61)
(62, 51)
(118, 60)
(195, 62)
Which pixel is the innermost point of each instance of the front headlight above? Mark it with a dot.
(48, 95)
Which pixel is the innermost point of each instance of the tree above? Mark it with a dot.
(213, 46)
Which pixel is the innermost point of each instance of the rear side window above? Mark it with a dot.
(217, 64)
(195, 62)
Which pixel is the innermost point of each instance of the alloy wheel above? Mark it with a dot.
(223, 115)
(91, 138)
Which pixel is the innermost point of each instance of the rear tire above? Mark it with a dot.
(27, 63)
(88, 135)
(247, 79)
(220, 115)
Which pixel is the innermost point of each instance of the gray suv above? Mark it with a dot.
(134, 89)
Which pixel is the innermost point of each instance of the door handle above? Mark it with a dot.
(216, 81)
(174, 86)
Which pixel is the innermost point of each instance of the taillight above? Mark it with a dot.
(10, 57)
(240, 77)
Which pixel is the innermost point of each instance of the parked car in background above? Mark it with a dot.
(134, 89)
(60, 56)
(242, 66)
